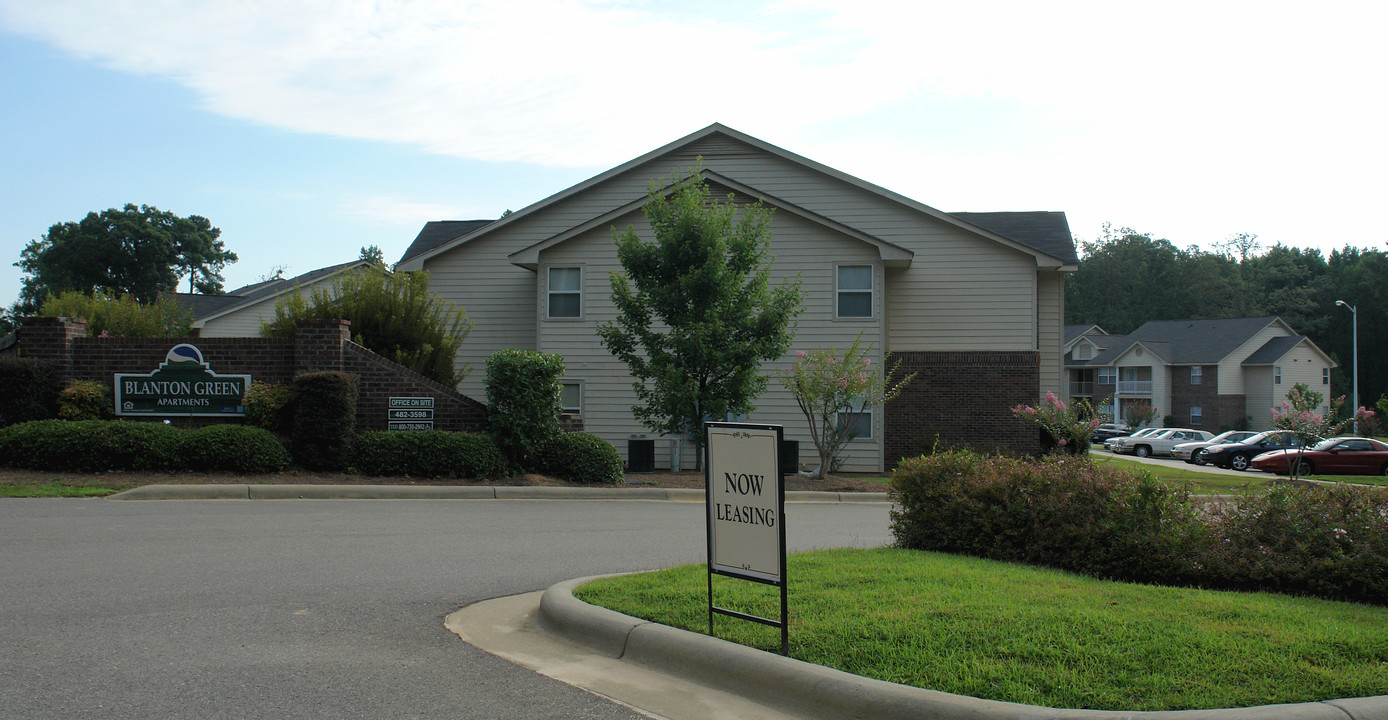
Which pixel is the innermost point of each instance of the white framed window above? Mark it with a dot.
(853, 294)
(565, 292)
(1083, 352)
(1276, 375)
(1196, 415)
(1325, 376)
(858, 423)
(571, 398)
(1108, 376)
(1196, 375)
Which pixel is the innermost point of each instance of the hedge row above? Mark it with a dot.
(98, 445)
(95, 445)
(1095, 520)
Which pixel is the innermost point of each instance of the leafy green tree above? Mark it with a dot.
(374, 255)
(7, 320)
(394, 315)
(139, 251)
(697, 314)
(107, 314)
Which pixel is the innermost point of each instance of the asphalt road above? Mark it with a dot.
(315, 608)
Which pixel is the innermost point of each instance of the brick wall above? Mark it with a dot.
(965, 399)
(1205, 396)
(1233, 412)
(317, 345)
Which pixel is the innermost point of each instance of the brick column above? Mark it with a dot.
(49, 340)
(318, 344)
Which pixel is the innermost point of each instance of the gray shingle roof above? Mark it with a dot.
(1047, 231)
(207, 305)
(1188, 342)
(438, 232)
(1273, 350)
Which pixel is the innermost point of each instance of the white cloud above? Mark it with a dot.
(1233, 112)
(396, 210)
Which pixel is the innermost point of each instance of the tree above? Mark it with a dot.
(392, 314)
(696, 311)
(1299, 415)
(374, 255)
(138, 251)
(834, 386)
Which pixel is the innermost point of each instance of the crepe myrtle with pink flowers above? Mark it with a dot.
(1069, 427)
(1299, 415)
(833, 387)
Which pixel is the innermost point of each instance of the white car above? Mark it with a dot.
(1159, 443)
(1111, 443)
(1190, 451)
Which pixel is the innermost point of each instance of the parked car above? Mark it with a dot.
(1113, 441)
(1158, 443)
(1191, 451)
(1237, 455)
(1336, 456)
(1110, 430)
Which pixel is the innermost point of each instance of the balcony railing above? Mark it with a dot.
(1082, 389)
(1134, 387)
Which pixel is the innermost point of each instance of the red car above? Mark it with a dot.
(1336, 456)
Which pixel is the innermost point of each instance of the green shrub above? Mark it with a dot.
(582, 457)
(232, 448)
(393, 314)
(91, 445)
(268, 407)
(28, 391)
(1330, 542)
(1059, 512)
(325, 412)
(122, 315)
(85, 400)
(523, 401)
(429, 454)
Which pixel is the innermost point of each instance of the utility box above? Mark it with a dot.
(790, 457)
(675, 464)
(640, 455)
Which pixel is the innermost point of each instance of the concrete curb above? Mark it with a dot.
(447, 492)
(812, 691)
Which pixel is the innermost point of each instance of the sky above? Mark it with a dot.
(306, 130)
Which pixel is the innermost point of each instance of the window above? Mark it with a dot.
(1276, 375)
(1108, 376)
(1196, 415)
(1325, 376)
(1083, 351)
(854, 291)
(858, 423)
(1196, 375)
(571, 399)
(565, 292)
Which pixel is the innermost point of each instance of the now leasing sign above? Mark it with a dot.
(182, 385)
(746, 512)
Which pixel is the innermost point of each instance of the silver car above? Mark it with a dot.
(1112, 443)
(1159, 443)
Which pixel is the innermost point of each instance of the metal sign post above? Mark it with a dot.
(746, 503)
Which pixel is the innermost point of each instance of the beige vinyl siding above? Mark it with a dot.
(245, 322)
(1050, 335)
(1161, 379)
(1231, 371)
(1258, 394)
(801, 248)
(498, 297)
(1303, 365)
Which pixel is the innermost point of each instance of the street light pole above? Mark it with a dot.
(1354, 401)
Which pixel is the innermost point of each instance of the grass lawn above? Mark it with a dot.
(92, 486)
(1042, 637)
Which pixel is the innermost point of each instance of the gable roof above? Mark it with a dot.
(892, 255)
(438, 232)
(208, 307)
(1047, 231)
(1274, 349)
(1075, 332)
(1042, 231)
